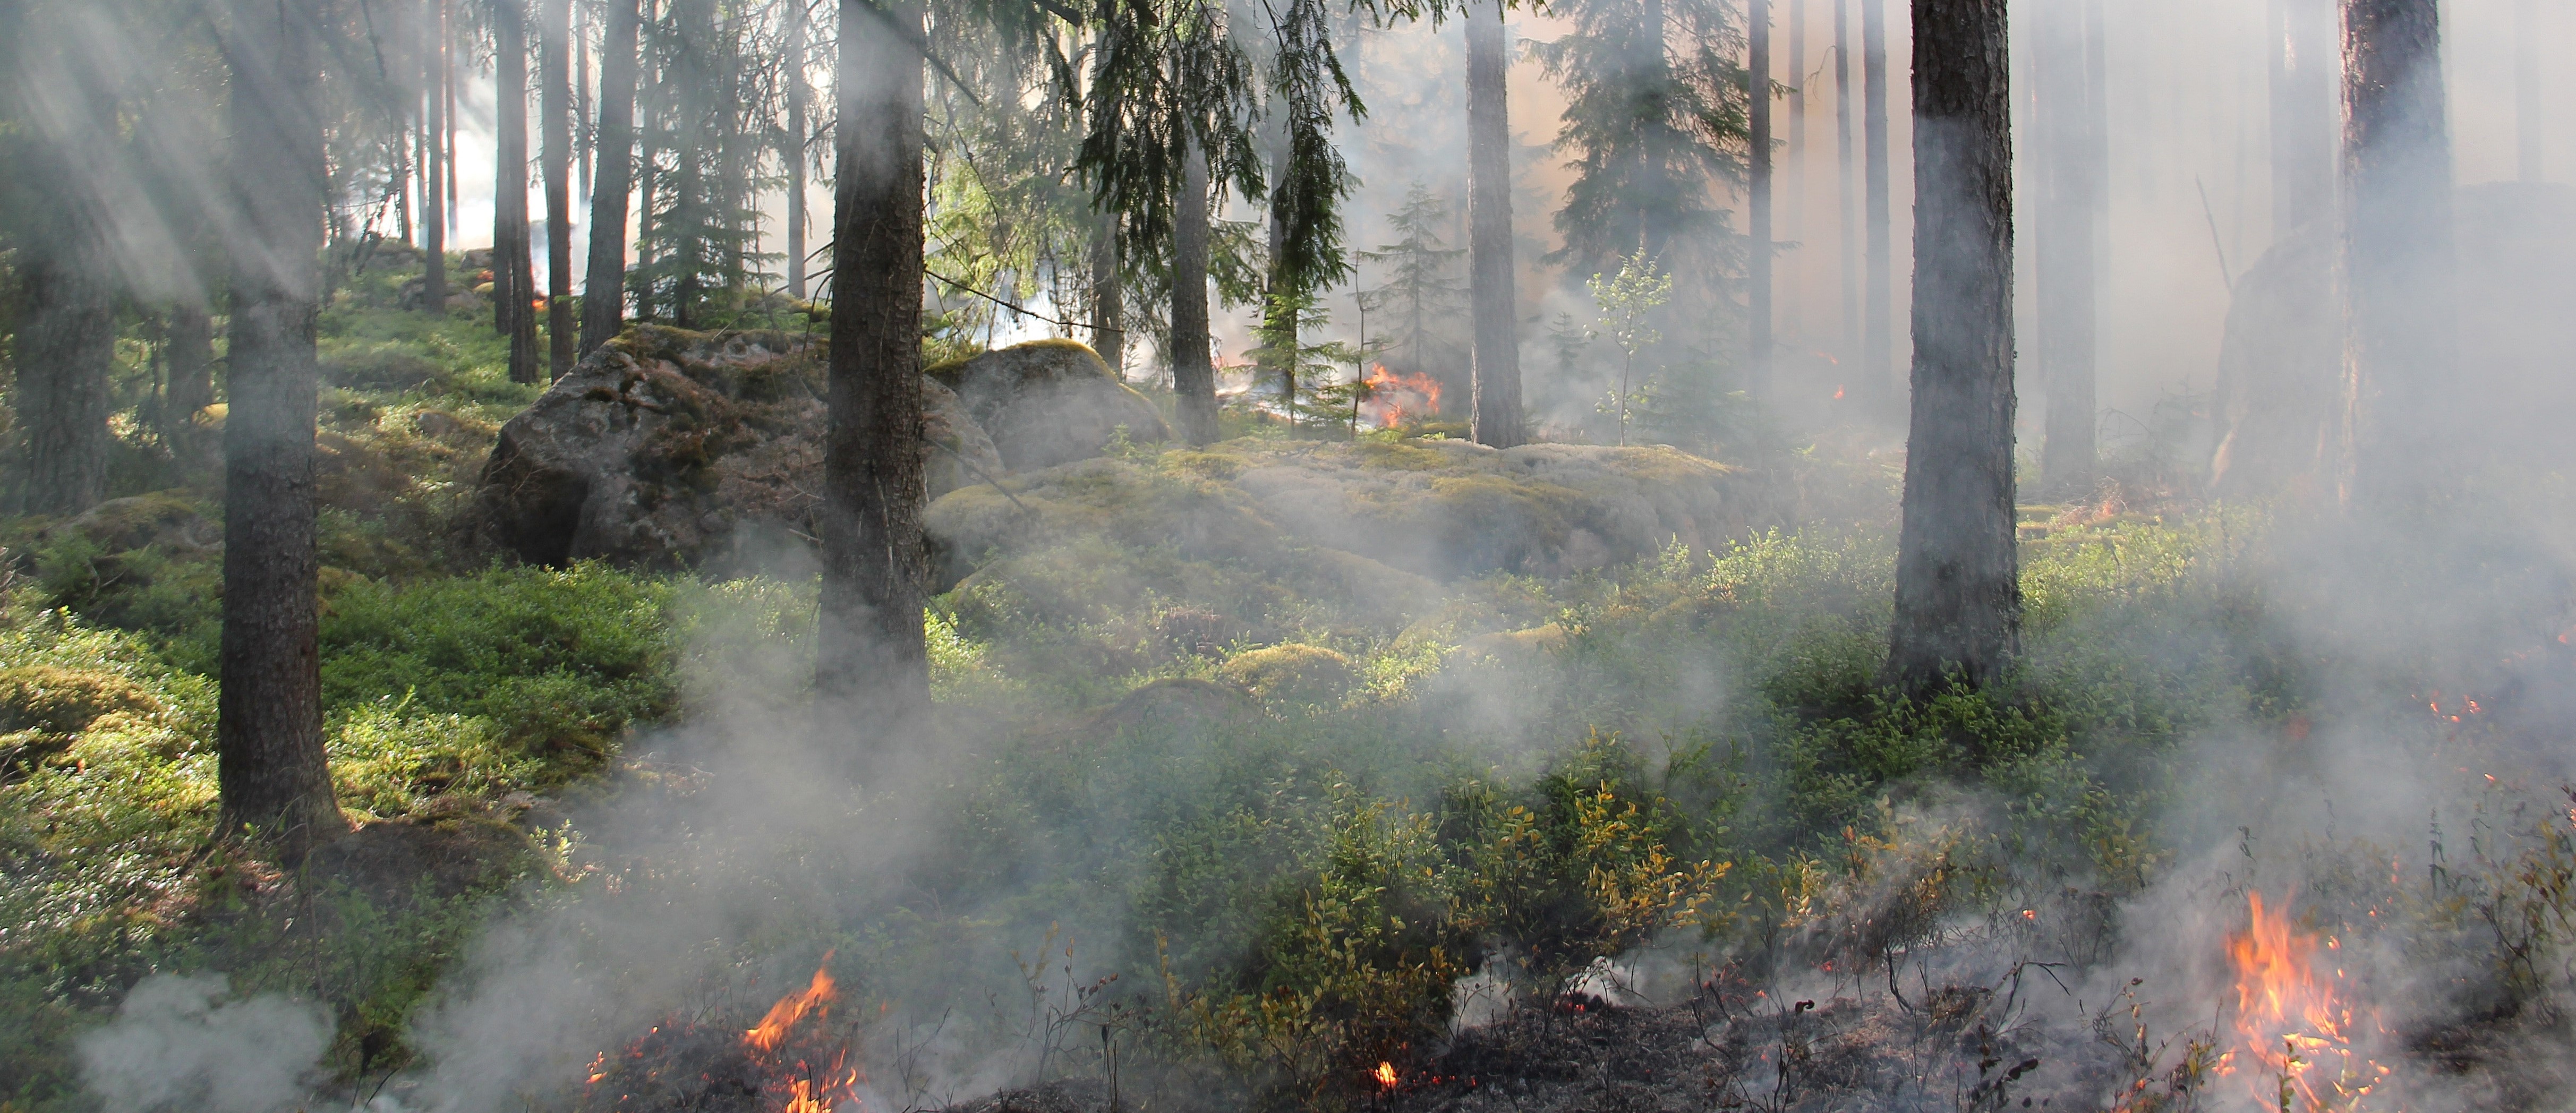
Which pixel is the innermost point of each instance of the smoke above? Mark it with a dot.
(182, 1042)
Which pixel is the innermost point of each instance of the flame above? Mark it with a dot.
(1838, 394)
(792, 1008)
(1392, 398)
(2294, 1030)
(1385, 1075)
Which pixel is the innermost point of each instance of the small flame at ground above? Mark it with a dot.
(816, 998)
(1385, 1075)
(2294, 1031)
(1393, 398)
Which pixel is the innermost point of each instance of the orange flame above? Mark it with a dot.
(1393, 398)
(2292, 1027)
(1838, 394)
(1385, 1075)
(792, 1008)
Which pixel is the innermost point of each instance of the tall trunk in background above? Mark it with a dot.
(1108, 296)
(1757, 368)
(585, 135)
(1878, 346)
(692, 81)
(2066, 183)
(2302, 94)
(191, 333)
(433, 279)
(1794, 211)
(869, 647)
(1496, 358)
(1846, 201)
(271, 772)
(793, 151)
(1958, 589)
(603, 299)
(447, 48)
(2526, 92)
(1193, 377)
(2401, 310)
(513, 274)
(554, 77)
(1278, 316)
(66, 347)
(648, 168)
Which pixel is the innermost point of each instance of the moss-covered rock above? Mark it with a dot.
(1293, 674)
(1049, 402)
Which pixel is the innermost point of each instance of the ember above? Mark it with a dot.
(2294, 1030)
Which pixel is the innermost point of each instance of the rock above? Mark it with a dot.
(671, 448)
(1049, 402)
(126, 524)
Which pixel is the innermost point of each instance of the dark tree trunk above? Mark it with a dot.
(2068, 187)
(513, 313)
(603, 301)
(793, 152)
(1878, 345)
(192, 359)
(66, 346)
(1958, 590)
(271, 771)
(870, 645)
(1846, 202)
(1497, 419)
(2402, 316)
(1108, 296)
(2302, 94)
(692, 81)
(433, 240)
(1193, 377)
(1757, 202)
(554, 78)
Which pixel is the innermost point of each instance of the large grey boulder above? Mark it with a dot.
(670, 448)
(1049, 402)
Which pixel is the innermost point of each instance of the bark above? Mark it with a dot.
(271, 771)
(1872, 381)
(1193, 378)
(2068, 186)
(692, 80)
(1278, 354)
(1958, 592)
(870, 647)
(1847, 239)
(1108, 297)
(555, 101)
(1757, 369)
(793, 151)
(1794, 206)
(433, 240)
(1497, 419)
(191, 335)
(2400, 266)
(513, 273)
(603, 300)
(66, 345)
(2302, 106)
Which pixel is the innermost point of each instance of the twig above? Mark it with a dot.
(2225, 274)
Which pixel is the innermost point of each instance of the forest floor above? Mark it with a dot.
(1199, 831)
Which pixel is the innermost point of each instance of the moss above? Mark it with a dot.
(1293, 674)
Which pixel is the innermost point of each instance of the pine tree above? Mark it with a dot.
(554, 100)
(1419, 290)
(604, 295)
(513, 274)
(1495, 356)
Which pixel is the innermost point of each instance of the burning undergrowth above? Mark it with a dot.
(794, 1059)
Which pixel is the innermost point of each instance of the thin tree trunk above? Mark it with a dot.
(1846, 198)
(555, 101)
(1278, 322)
(2067, 305)
(870, 645)
(693, 28)
(512, 314)
(1497, 419)
(271, 771)
(604, 291)
(1878, 349)
(1793, 219)
(648, 170)
(66, 346)
(2402, 321)
(793, 152)
(1193, 377)
(190, 334)
(1757, 367)
(2526, 91)
(585, 133)
(447, 92)
(1958, 590)
(433, 281)
(1108, 296)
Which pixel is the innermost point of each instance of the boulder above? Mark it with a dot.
(669, 448)
(161, 518)
(1049, 402)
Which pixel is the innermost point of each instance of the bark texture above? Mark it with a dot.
(1757, 202)
(1958, 592)
(513, 274)
(433, 213)
(270, 766)
(66, 345)
(1496, 417)
(554, 80)
(2400, 268)
(2069, 202)
(1108, 297)
(869, 649)
(794, 150)
(1878, 346)
(603, 303)
(1193, 377)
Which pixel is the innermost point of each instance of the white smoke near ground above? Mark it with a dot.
(183, 1044)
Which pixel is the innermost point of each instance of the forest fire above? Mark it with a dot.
(2294, 1031)
(1385, 1075)
(793, 1060)
(1392, 398)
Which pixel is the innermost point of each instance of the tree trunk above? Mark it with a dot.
(1757, 203)
(692, 81)
(433, 240)
(271, 771)
(555, 101)
(1496, 357)
(1278, 354)
(1793, 218)
(2302, 94)
(447, 93)
(1878, 346)
(1958, 590)
(1846, 201)
(512, 312)
(870, 647)
(793, 151)
(2402, 318)
(1193, 378)
(2067, 188)
(648, 171)
(1108, 296)
(66, 346)
(603, 300)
